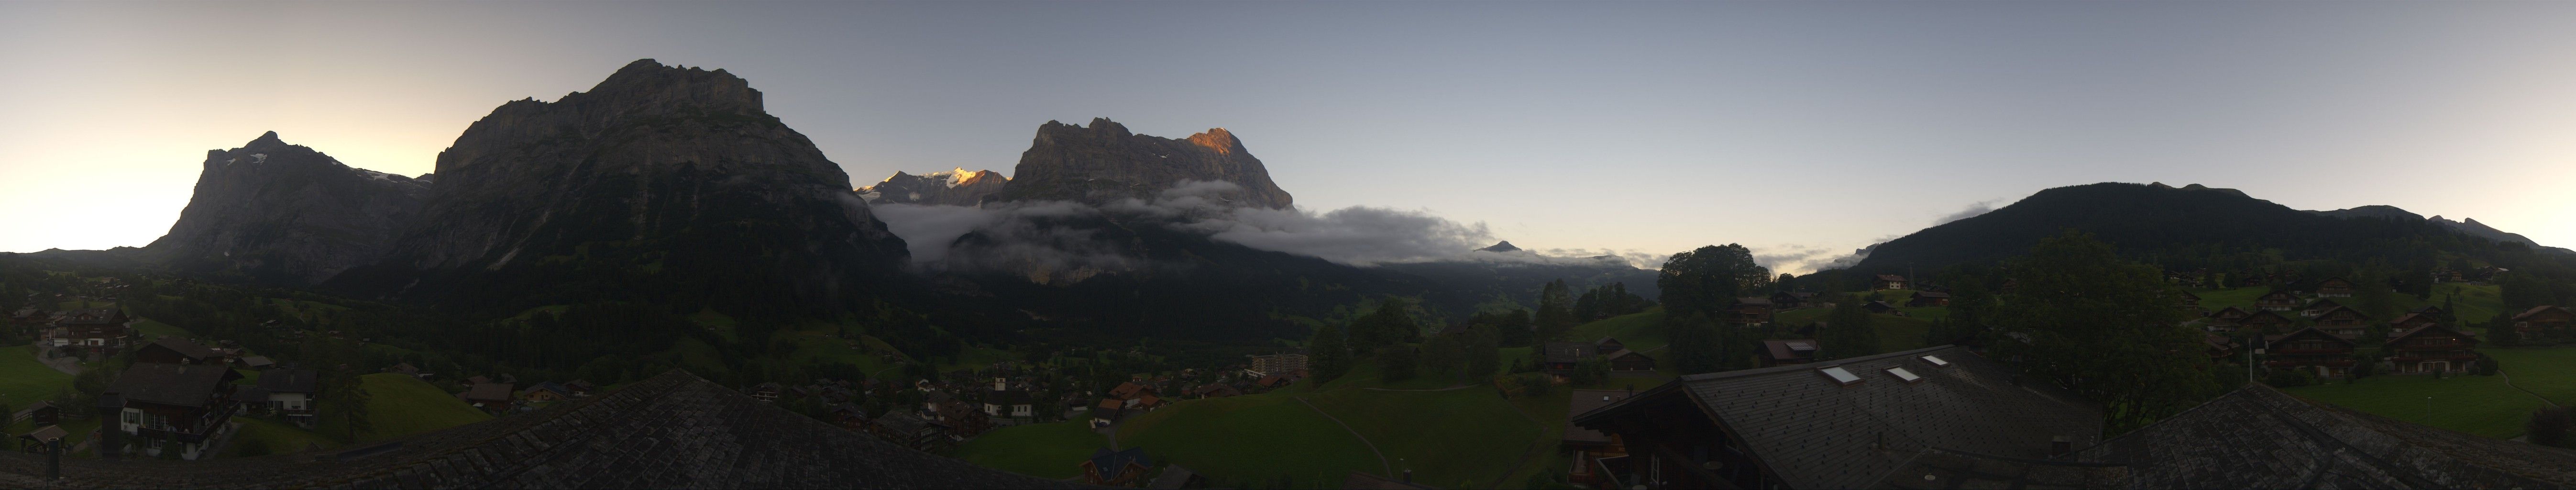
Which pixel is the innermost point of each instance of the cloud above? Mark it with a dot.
(1974, 209)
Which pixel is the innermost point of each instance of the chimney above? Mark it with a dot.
(53, 460)
(1408, 476)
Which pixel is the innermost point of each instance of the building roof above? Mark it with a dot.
(257, 361)
(2258, 437)
(2536, 310)
(172, 384)
(1753, 301)
(1111, 464)
(291, 381)
(94, 316)
(1625, 353)
(2413, 317)
(2278, 294)
(489, 392)
(2430, 328)
(1585, 401)
(191, 350)
(558, 388)
(2311, 332)
(1816, 433)
(1785, 349)
(1931, 294)
(1558, 352)
(1890, 277)
(47, 433)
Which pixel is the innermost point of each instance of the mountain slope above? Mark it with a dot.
(660, 183)
(284, 214)
(2151, 220)
(951, 188)
(1104, 163)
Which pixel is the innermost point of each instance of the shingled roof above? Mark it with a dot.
(2258, 437)
(672, 431)
(171, 384)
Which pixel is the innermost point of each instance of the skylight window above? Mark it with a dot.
(1936, 361)
(1901, 373)
(1801, 346)
(1841, 376)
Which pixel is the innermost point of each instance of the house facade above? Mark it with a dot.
(2325, 354)
(2431, 348)
(2344, 322)
(2544, 321)
(172, 408)
(291, 393)
(1590, 446)
(1889, 281)
(2335, 287)
(1783, 352)
(2277, 300)
(1749, 310)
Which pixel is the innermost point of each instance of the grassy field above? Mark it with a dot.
(2549, 372)
(1050, 450)
(1456, 439)
(154, 329)
(400, 405)
(272, 437)
(2482, 405)
(1251, 441)
(1640, 332)
(25, 381)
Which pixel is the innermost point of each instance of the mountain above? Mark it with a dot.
(1502, 246)
(283, 214)
(1104, 163)
(2472, 227)
(660, 184)
(952, 187)
(2373, 211)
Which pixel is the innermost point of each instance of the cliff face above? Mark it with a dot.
(1105, 163)
(659, 182)
(285, 214)
(954, 188)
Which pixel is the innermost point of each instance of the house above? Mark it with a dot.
(2410, 321)
(905, 429)
(2326, 354)
(2277, 300)
(547, 391)
(1787, 300)
(849, 416)
(36, 441)
(1265, 365)
(1587, 445)
(44, 413)
(1107, 412)
(2227, 319)
(1116, 468)
(1176, 477)
(2544, 321)
(1215, 390)
(173, 408)
(1928, 298)
(174, 350)
(2346, 322)
(494, 396)
(1608, 344)
(2318, 307)
(2334, 287)
(255, 363)
(2266, 321)
(1273, 382)
(2431, 347)
(963, 421)
(2185, 301)
(292, 393)
(1561, 357)
(1881, 307)
(101, 330)
(1788, 351)
(769, 391)
(29, 317)
(2221, 348)
(1003, 401)
(1628, 360)
(1749, 310)
(1888, 281)
(1129, 391)
(1845, 424)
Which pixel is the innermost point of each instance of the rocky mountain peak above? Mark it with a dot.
(1503, 246)
(1104, 162)
(957, 187)
(279, 213)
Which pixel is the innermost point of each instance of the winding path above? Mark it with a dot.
(1536, 447)
(1355, 434)
(2508, 381)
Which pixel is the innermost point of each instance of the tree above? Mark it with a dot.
(1847, 332)
(2091, 322)
(1513, 328)
(1483, 352)
(1444, 356)
(1397, 362)
(1555, 311)
(1591, 370)
(1388, 324)
(1328, 355)
(1692, 343)
(1709, 278)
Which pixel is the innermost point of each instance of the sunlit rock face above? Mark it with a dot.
(276, 213)
(958, 187)
(1104, 163)
(660, 181)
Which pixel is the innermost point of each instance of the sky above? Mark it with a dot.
(1801, 129)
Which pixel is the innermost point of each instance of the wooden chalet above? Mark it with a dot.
(2318, 307)
(2410, 321)
(2346, 322)
(1628, 360)
(1928, 298)
(1850, 423)
(848, 416)
(43, 413)
(1749, 310)
(1215, 390)
(1561, 357)
(1121, 468)
(905, 429)
(2221, 348)
(1004, 401)
(1782, 352)
(2266, 321)
(100, 330)
(1881, 307)
(2432, 347)
(2544, 321)
(1889, 281)
(1608, 344)
(2227, 319)
(547, 391)
(2328, 355)
(2277, 300)
(2335, 287)
(173, 408)
(174, 350)
(491, 396)
(1590, 446)
(1793, 299)
(2185, 301)
(292, 393)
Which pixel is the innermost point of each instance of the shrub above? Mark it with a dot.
(2548, 426)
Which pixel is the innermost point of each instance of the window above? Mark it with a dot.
(1841, 376)
(1901, 373)
(1936, 361)
(133, 417)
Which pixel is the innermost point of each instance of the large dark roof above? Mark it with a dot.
(1570, 351)
(1815, 433)
(291, 381)
(171, 384)
(671, 431)
(191, 350)
(2258, 437)
(1585, 401)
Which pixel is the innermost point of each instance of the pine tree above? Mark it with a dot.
(1555, 311)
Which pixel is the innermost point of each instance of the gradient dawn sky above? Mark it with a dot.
(1648, 127)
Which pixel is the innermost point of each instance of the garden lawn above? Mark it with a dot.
(24, 381)
(399, 405)
(1638, 331)
(2549, 372)
(2482, 405)
(271, 437)
(1456, 439)
(1250, 441)
(1051, 450)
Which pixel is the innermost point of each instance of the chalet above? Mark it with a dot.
(1003, 401)
(29, 317)
(2411, 320)
(100, 330)
(905, 429)
(173, 408)
(1275, 381)
(1561, 357)
(291, 393)
(963, 421)
(936, 402)
(174, 350)
(2228, 318)
(494, 397)
(2346, 322)
(1215, 390)
(2449, 275)
(1882, 307)
(1116, 468)
(848, 416)
(1129, 391)
(43, 413)
(768, 392)
(1888, 281)
(2326, 354)
(36, 441)
(1265, 365)
(1107, 412)
(2221, 348)
(1787, 300)
(580, 388)
(2334, 287)
(2431, 347)
(548, 391)
(1928, 298)
(2318, 307)
(1788, 351)
(1587, 445)
(2185, 301)
(255, 363)
(2277, 300)
(2544, 321)
(2265, 321)
(1846, 424)
(1608, 344)
(1749, 310)
(1628, 360)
